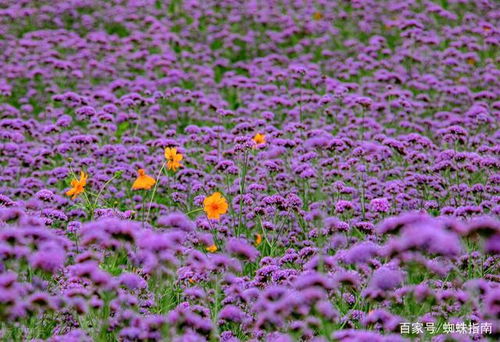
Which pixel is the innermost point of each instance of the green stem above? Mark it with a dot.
(102, 189)
(194, 211)
(143, 208)
(242, 190)
(154, 189)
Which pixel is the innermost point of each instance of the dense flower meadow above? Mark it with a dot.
(231, 170)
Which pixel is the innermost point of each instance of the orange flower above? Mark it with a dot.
(212, 248)
(77, 185)
(317, 16)
(143, 181)
(173, 158)
(215, 206)
(259, 139)
(258, 239)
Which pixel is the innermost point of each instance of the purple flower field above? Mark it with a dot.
(249, 170)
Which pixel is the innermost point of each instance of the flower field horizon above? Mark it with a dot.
(230, 170)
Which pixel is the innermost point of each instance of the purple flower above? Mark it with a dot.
(313, 279)
(386, 279)
(361, 253)
(242, 249)
(231, 313)
(45, 195)
(380, 205)
(492, 245)
(343, 206)
(492, 303)
(132, 281)
(49, 258)
(176, 220)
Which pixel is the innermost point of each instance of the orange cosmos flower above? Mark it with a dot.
(259, 139)
(143, 181)
(317, 16)
(212, 248)
(77, 185)
(173, 158)
(215, 206)
(258, 239)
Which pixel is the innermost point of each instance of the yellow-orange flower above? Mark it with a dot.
(143, 181)
(215, 206)
(259, 139)
(173, 158)
(258, 239)
(212, 248)
(317, 16)
(77, 186)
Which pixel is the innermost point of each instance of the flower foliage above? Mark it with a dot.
(316, 170)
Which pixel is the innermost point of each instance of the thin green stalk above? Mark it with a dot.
(143, 208)
(154, 188)
(242, 190)
(116, 175)
(194, 211)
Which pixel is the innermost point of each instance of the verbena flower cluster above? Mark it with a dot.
(206, 170)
